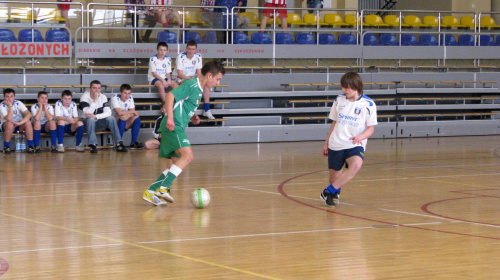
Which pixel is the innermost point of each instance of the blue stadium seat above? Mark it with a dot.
(211, 37)
(167, 37)
(284, 38)
(388, 40)
(6, 35)
(347, 39)
(25, 36)
(449, 40)
(466, 40)
(305, 38)
(327, 39)
(192, 36)
(428, 40)
(486, 40)
(261, 38)
(56, 35)
(370, 40)
(240, 38)
(409, 40)
(498, 41)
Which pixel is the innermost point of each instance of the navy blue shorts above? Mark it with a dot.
(2, 129)
(337, 159)
(67, 129)
(156, 80)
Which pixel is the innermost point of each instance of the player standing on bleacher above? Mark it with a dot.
(123, 108)
(160, 67)
(187, 66)
(43, 120)
(354, 117)
(66, 113)
(14, 118)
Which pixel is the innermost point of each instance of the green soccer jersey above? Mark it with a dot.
(187, 99)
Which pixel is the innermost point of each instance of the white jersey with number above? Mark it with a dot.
(161, 67)
(188, 66)
(116, 102)
(18, 108)
(352, 119)
(70, 112)
(43, 118)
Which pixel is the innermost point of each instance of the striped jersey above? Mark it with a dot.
(277, 2)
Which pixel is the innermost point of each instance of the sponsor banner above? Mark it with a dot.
(113, 50)
(38, 49)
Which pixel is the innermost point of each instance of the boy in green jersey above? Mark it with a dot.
(180, 107)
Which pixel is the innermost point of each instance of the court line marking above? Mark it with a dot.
(140, 246)
(61, 248)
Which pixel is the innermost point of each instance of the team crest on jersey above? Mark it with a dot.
(193, 62)
(164, 65)
(357, 111)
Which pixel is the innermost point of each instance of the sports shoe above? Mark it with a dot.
(38, 149)
(80, 148)
(136, 146)
(121, 148)
(30, 150)
(60, 148)
(208, 115)
(6, 150)
(325, 196)
(53, 149)
(165, 194)
(152, 198)
(93, 149)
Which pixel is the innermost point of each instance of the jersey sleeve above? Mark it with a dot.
(333, 112)
(57, 110)
(21, 106)
(75, 109)
(371, 116)
(152, 65)
(199, 63)
(178, 63)
(115, 102)
(34, 109)
(4, 110)
(132, 104)
(51, 109)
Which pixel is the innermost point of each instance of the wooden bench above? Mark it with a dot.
(102, 135)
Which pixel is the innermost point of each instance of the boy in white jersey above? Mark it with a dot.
(66, 113)
(43, 120)
(123, 108)
(187, 66)
(180, 108)
(354, 116)
(14, 118)
(160, 66)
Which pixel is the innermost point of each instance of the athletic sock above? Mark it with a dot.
(173, 173)
(30, 143)
(121, 127)
(331, 189)
(206, 106)
(36, 137)
(53, 137)
(79, 135)
(156, 184)
(60, 134)
(6, 144)
(136, 126)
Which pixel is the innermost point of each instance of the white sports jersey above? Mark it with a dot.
(351, 119)
(161, 67)
(18, 108)
(188, 66)
(43, 118)
(70, 112)
(116, 102)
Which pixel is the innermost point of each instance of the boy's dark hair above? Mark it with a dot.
(125, 87)
(352, 80)
(214, 67)
(161, 44)
(66, 93)
(9, 90)
(192, 43)
(41, 93)
(95, 82)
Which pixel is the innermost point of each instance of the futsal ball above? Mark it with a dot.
(200, 198)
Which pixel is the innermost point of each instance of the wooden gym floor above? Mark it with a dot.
(418, 209)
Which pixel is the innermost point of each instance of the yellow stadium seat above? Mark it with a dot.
(270, 21)
(312, 19)
(488, 22)
(392, 20)
(467, 21)
(334, 20)
(374, 21)
(351, 20)
(413, 21)
(451, 21)
(199, 18)
(254, 19)
(431, 21)
(294, 19)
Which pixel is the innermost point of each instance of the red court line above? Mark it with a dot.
(4, 266)
(325, 209)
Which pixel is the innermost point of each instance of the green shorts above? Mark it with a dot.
(171, 141)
